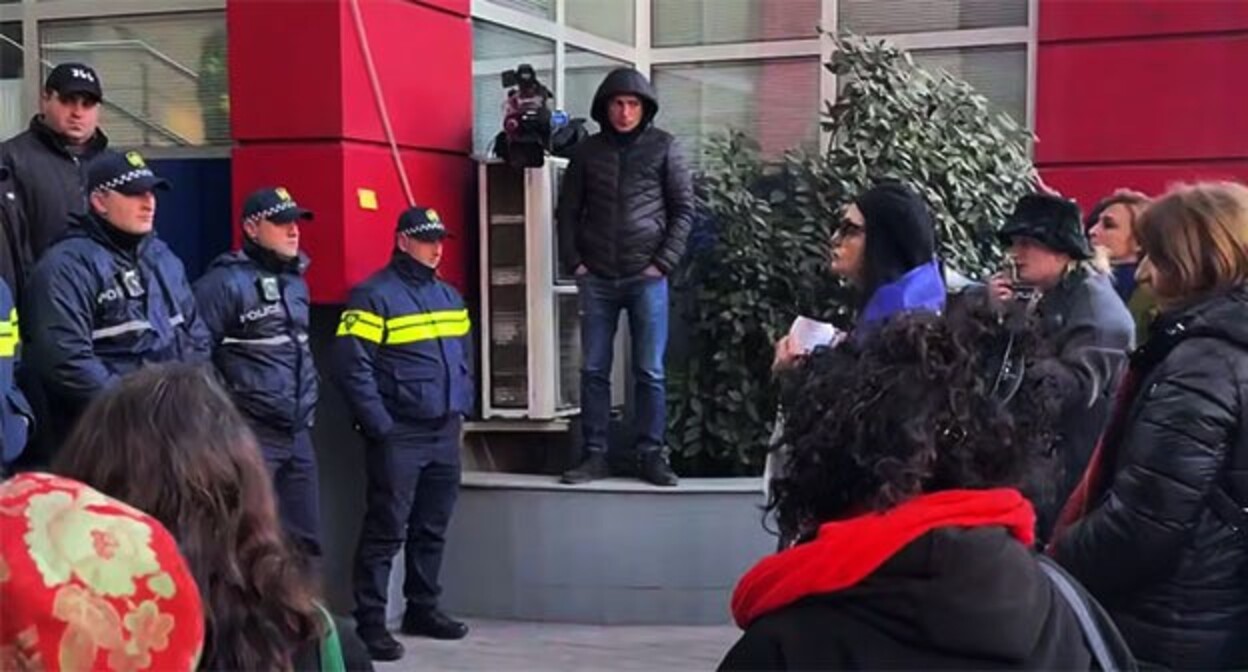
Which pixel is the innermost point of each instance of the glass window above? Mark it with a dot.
(542, 8)
(584, 71)
(887, 17)
(494, 50)
(689, 22)
(13, 115)
(164, 77)
(998, 73)
(776, 102)
(612, 19)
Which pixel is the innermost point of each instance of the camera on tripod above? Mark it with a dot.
(527, 119)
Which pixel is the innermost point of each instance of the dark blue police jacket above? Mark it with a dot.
(402, 351)
(96, 309)
(255, 305)
(16, 417)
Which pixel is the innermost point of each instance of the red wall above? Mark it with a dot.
(304, 117)
(1141, 94)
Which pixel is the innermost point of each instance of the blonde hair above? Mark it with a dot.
(1196, 238)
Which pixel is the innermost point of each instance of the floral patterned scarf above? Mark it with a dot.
(90, 583)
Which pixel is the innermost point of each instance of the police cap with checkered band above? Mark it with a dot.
(422, 224)
(125, 173)
(274, 204)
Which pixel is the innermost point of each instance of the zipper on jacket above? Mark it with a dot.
(294, 340)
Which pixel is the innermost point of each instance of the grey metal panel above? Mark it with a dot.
(635, 555)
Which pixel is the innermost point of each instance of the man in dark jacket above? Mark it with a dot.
(14, 248)
(625, 208)
(1084, 322)
(108, 297)
(50, 160)
(254, 303)
(402, 360)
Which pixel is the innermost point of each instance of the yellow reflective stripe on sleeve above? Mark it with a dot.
(10, 337)
(427, 332)
(361, 324)
(427, 318)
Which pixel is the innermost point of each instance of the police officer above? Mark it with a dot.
(254, 303)
(16, 417)
(109, 296)
(402, 359)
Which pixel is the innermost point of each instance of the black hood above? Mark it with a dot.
(974, 593)
(1224, 316)
(622, 81)
(901, 235)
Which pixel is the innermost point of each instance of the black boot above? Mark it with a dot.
(592, 468)
(381, 644)
(432, 623)
(655, 469)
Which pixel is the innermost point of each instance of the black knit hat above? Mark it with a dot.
(901, 234)
(1052, 221)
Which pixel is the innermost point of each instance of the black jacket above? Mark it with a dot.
(51, 182)
(1091, 332)
(626, 201)
(14, 247)
(952, 599)
(1160, 558)
(255, 306)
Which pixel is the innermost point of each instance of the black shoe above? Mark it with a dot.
(656, 470)
(433, 624)
(592, 468)
(381, 644)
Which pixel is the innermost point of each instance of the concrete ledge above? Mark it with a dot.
(488, 480)
(524, 547)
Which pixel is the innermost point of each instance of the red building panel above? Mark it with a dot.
(424, 62)
(1098, 19)
(282, 87)
(1090, 183)
(1142, 100)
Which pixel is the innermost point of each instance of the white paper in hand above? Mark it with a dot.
(807, 334)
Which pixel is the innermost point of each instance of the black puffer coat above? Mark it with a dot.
(1155, 551)
(626, 201)
(50, 180)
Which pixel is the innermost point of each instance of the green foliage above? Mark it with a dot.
(769, 224)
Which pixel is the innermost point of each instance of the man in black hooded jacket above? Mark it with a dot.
(625, 209)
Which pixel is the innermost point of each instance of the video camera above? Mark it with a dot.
(527, 119)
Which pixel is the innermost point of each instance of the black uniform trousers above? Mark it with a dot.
(291, 462)
(413, 482)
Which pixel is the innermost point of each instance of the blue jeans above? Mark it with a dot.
(601, 300)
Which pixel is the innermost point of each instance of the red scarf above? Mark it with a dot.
(847, 551)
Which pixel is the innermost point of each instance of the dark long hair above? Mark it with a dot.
(900, 231)
(918, 408)
(167, 440)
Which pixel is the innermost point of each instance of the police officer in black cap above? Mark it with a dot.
(49, 160)
(401, 357)
(109, 296)
(1081, 317)
(254, 302)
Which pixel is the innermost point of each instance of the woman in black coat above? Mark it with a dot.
(915, 545)
(1157, 529)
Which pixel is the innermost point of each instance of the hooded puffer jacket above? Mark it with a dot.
(626, 201)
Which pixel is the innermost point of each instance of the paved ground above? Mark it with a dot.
(511, 646)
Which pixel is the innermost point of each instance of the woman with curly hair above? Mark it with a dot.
(914, 544)
(168, 441)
